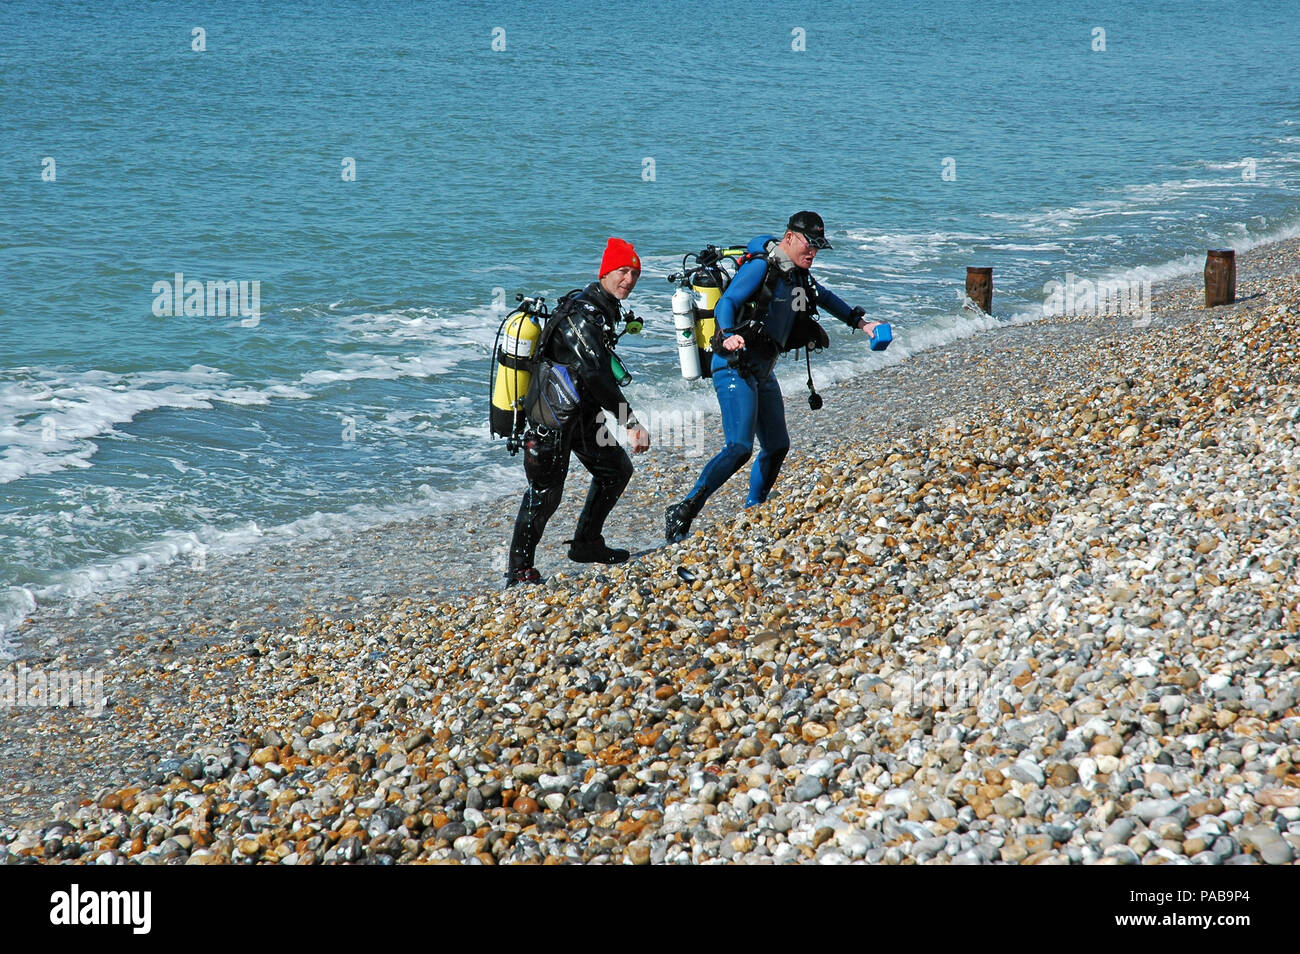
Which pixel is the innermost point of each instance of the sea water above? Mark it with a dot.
(253, 256)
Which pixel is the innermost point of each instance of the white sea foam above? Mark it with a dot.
(1220, 166)
(912, 248)
(359, 366)
(1176, 188)
(1028, 247)
(848, 359)
(1279, 234)
(49, 420)
(1138, 199)
(56, 431)
(259, 397)
(417, 324)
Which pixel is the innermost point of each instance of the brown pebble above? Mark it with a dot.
(1279, 797)
(1062, 775)
(1211, 806)
(812, 731)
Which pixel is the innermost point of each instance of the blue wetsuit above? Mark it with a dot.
(749, 395)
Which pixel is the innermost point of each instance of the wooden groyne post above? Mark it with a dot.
(1220, 277)
(979, 288)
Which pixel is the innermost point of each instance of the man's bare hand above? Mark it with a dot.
(733, 342)
(639, 438)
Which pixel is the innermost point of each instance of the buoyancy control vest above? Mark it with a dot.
(576, 361)
(805, 330)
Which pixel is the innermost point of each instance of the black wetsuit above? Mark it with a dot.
(580, 336)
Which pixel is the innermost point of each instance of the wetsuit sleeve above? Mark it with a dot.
(591, 363)
(833, 303)
(742, 288)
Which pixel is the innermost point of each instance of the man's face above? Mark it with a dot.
(621, 281)
(801, 251)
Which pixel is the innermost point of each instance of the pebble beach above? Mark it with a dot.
(1030, 598)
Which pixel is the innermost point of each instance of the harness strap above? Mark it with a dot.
(757, 307)
(814, 399)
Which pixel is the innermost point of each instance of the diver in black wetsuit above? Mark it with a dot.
(575, 360)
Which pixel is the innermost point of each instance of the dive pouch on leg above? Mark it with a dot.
(552, 399)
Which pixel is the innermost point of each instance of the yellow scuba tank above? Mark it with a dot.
(512, 371)
(707, 286)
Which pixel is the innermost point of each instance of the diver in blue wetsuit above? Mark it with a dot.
(768, 308)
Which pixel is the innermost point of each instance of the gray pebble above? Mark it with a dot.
(807, 788)
(1272, 847)
(1119, 832)
(1151, 809)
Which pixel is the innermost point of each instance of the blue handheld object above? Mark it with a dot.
(881, 335)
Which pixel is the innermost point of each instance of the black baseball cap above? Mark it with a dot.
(811, 227)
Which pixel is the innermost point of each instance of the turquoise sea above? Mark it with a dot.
(494, 148)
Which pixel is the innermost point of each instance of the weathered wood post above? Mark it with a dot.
(1220, 277)
(979, 288)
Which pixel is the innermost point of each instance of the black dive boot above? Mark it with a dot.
(588, 543)
(533, 513)
(678, 517)
(526, 574)
(595, 551)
